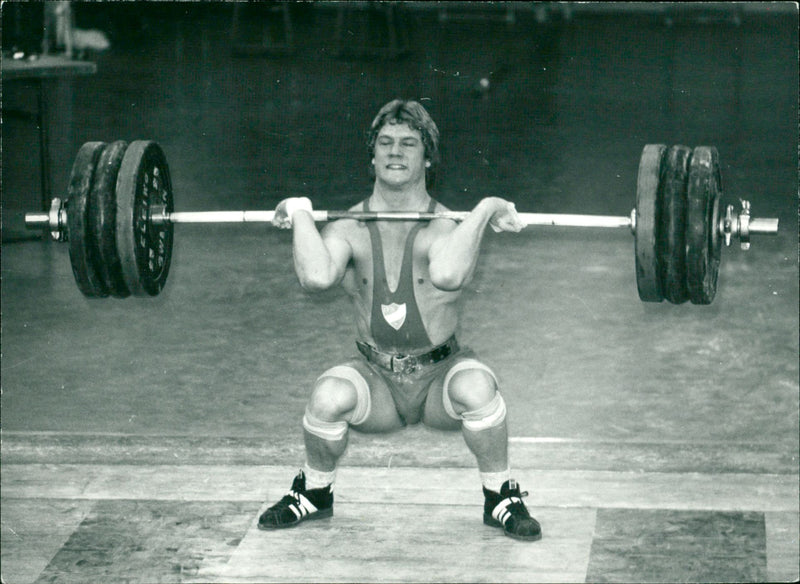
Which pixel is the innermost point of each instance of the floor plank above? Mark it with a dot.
(412, 543)
(413, 446)
(783, 546)
(149, 541)
(33, 530)
(659, 545)
(193, 541)
(723, 491)
(72, 522)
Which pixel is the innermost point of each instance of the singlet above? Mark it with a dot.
(396, 321)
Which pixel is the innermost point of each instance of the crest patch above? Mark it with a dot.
(394, 314)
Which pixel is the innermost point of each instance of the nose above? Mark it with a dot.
(395, 149)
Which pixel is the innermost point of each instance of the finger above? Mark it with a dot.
(514, 222)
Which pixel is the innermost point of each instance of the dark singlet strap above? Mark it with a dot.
(406, 331)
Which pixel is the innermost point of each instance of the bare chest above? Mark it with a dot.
(393, 247)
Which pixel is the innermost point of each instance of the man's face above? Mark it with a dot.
(399, 156)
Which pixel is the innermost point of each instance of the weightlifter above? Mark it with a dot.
(405, 280)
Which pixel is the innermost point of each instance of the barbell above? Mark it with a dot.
(118, 217)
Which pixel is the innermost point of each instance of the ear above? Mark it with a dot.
(427, 164)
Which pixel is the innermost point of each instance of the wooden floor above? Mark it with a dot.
(130, 523)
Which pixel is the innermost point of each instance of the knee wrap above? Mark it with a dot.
(332, 431)
(489, 416)
(363, 400)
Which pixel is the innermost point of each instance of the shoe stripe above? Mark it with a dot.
(301, 506)
(500, 512)
(306, 505)
(502, 516)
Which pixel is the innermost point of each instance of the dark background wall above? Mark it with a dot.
(571, 103)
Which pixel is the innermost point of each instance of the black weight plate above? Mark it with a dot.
(672, 228)
(648, 280)
(145, 248)
(703, 245)
(103, 215)
(82, 251)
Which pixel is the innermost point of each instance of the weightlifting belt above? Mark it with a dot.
(406, 364)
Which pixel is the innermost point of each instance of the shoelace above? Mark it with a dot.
(518, 507)
(521, 495)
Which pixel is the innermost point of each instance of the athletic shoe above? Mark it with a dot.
(299, 505)
(506, 509)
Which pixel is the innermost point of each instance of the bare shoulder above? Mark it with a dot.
(439, 227)
(341, 227)
(350, 231)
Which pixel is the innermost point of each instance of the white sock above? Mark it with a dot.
(493, 481)
(317, 479)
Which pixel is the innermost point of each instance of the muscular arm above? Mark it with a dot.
(320, 259)
(454, 255)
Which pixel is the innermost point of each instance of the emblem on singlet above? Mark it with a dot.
(394, 314)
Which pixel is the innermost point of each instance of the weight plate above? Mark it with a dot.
(703, 245)
(145, 248)
(648, 280)
(82, 251)
(672, 227)
(103, 222)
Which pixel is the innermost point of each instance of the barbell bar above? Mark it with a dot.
(730, 227)
(118, 217)
(160, 215)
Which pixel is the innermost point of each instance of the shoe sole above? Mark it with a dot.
(321, 514)
(492, 522)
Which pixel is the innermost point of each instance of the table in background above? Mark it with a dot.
(39, 70)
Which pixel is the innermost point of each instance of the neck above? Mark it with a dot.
(407, 199)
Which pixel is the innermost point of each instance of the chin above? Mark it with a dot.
(395, 182)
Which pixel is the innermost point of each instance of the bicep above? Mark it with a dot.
(437, 234)
(339, 249)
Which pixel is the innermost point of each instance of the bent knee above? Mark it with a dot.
(341, 393)
(470, 394)
(469, 386)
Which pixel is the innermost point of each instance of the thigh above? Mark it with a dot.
(383, 416)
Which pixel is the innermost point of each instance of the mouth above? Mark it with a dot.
(396, 167)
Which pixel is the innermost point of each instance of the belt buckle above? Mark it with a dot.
(405, 364)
